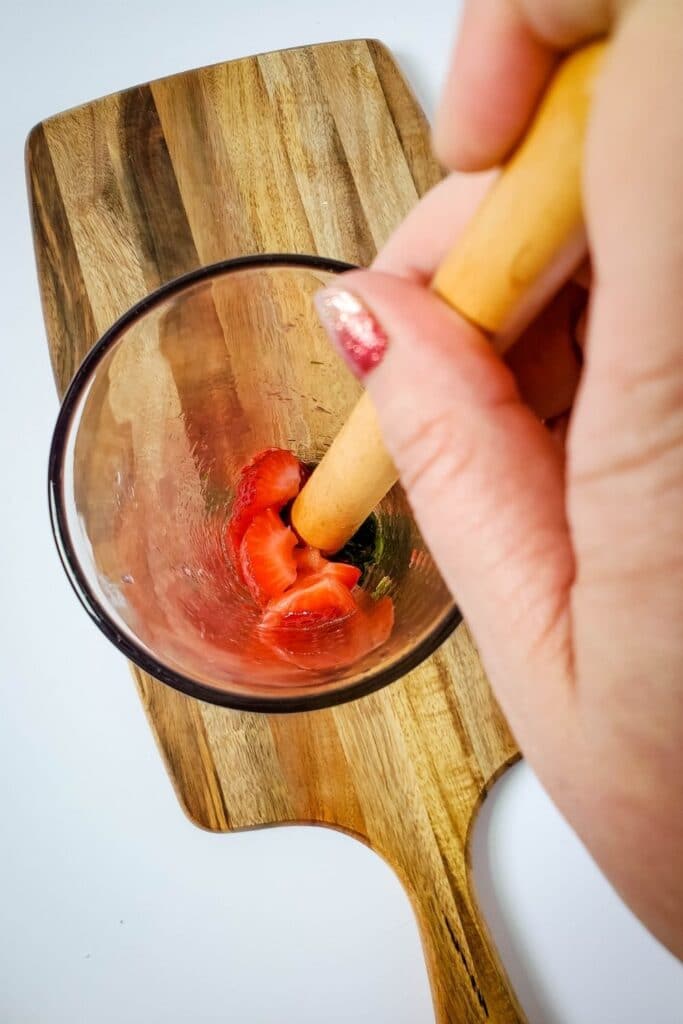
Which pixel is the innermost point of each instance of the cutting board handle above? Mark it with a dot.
(524, 241)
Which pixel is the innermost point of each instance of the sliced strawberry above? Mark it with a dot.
(314, 614)
(347, 575)
(318, 624)
(266, 556)
(307, 626)
(271, 479)
(310, 562)
(317, 598)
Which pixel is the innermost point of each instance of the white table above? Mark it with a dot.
(113, 907)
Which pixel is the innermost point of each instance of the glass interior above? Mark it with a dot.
(155, 428)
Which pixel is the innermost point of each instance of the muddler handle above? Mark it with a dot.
(524, 241)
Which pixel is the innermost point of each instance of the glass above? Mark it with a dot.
(163, 413)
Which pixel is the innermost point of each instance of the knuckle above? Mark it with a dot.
(636, 463)
(637, 444)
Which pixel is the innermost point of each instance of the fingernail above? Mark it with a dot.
(353, 329)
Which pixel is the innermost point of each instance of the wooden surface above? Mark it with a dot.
(319, 149)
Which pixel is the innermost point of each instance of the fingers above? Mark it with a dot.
(431, 229)
(484, 478)
(626, 441)
(504, 54)
(625, 468)
(498, 71)
(544, 360)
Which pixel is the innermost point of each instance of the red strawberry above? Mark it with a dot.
(319, 625)
(316, 599)
(266, 556)
(310, 562)
(315, 616)
(347, 575)
(270, 480)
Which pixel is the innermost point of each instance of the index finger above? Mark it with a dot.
(503, 56)
(422, 240)
(544, 360)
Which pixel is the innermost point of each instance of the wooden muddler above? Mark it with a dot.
(524, 241)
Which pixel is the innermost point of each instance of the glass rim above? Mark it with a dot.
(240, 701)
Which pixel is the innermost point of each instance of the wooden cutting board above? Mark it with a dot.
(321, 149)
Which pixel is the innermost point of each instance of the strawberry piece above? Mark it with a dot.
(315, 599)
(271, 480)
(347, 575)
(310, 562)
(314, 614)
(266, 557)
(318, 624)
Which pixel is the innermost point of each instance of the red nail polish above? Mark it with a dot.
(353, 329)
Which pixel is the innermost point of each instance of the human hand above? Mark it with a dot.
(567, 562)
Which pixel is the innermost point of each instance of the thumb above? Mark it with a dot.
(483, 476)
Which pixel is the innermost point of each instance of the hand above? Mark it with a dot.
(566, 562)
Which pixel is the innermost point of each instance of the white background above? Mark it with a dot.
(113, 908)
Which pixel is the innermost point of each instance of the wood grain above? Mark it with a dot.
(319, 149)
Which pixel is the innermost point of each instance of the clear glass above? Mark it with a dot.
(158, 421)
